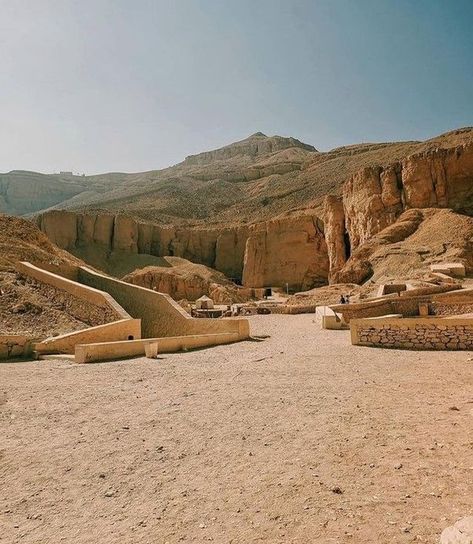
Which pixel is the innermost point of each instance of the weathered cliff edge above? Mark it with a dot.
(301, 251)
(375, 197)
(290, 250)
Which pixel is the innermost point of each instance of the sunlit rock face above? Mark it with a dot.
(252, 210)
(287, 251)
(375, 197)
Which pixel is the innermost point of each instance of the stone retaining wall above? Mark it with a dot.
(430, 333)
(83, 293)
(160, 315)
(443, 308)
(75, 306)
(406, 304)
(14, 345)
(289, 309)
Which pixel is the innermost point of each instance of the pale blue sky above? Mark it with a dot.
(98, 85)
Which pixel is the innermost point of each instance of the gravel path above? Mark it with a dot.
(296, 438)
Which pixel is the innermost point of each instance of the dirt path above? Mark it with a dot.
(298, 438)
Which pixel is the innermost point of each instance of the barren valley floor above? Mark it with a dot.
(296, 438)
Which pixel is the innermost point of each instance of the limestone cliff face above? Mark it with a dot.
(230, 251)
(256, 144)
(334, 215)
(290, 250)
(372, 201)
(375, 197)
(295, 249)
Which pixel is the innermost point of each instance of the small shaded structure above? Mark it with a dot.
(204, 303)
(330, 319)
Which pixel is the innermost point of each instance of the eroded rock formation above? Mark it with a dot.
(290, 250)
(293, 249)
(286, 251)
(375, 197)
(182, 279)
(335, 234)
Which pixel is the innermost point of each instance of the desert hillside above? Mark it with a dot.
(263, 211)
(28, 307)
(23, 192)
(255, 179)
(273, 211)
(21, 240)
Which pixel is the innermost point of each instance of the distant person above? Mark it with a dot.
(347, 299)
(342, 300)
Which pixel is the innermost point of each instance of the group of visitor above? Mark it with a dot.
(345, 299)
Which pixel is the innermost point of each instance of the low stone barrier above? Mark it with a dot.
(14, 345)
(446, 308)
(428, 333)
(406, 304)
(107, 351)
(160, 315)
(290, 309)
(125, 329)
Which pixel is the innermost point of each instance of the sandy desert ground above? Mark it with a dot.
(296, 438)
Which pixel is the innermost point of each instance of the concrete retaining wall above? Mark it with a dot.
(68, 271)
(429, 333)
(160, 315)
(66, 343)
(83, 292)
(106, 351)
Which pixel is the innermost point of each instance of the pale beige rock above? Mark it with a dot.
(374, 197)
(60, 227)
(230, 251)
(334, 227)
(460, 533)
(125, 234)
(286, 251)
(182, 279)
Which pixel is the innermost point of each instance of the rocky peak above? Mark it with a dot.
(256, 145)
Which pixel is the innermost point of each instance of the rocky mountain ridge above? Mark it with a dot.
(305, 246)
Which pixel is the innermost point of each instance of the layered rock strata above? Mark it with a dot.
(287, 251)
(375, 197)
(294, 250)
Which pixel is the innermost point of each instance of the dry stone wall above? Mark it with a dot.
(445, 308)
(416, 334)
